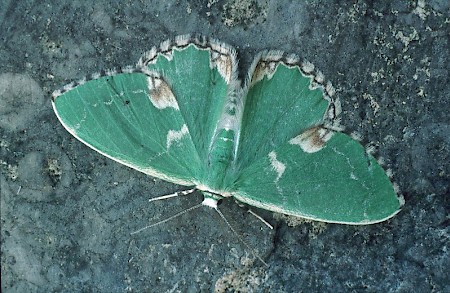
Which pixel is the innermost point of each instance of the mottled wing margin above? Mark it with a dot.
(284, 96)
(202, 75)
(133, 118)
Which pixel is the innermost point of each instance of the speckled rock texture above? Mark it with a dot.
(67, 212)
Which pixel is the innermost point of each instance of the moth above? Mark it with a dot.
(272, 141)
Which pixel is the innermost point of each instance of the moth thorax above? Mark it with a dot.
(223, 146)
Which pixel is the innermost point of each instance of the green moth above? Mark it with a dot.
(273, 142)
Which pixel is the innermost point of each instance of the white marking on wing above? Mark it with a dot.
(174, 135)
(276, 165)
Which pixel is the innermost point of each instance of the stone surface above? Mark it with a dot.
(67, 212)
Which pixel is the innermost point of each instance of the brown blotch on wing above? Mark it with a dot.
(313, 139)
(161, 95)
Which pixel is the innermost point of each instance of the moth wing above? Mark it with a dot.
(153, 120)
(289, 159)
(282, 100)
(336, 181)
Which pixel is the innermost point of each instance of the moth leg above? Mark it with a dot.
(249, 210)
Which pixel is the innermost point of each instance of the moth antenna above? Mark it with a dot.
(168, 219)
(175, 194)
(240, 238)
(261, 219)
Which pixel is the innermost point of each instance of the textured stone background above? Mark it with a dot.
(67, 212)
